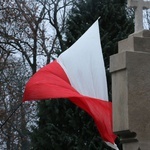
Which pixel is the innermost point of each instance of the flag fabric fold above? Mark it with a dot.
(79, 75)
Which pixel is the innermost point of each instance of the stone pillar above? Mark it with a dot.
(130, 70)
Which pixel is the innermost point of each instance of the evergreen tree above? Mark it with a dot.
(62, 125)
(116, 23)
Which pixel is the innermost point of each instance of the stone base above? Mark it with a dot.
(131, 146)
(130, 70)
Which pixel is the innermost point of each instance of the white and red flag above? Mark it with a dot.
(79, 75)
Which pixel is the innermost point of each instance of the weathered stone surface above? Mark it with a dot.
(143, 33)
(131, 146)
(135, 43)
(130, 70)
(139, 5)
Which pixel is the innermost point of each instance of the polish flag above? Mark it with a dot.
(79, 75)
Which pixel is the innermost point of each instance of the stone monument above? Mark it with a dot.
(139, 5)
(130, 70)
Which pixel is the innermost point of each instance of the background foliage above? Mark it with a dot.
(77, 129)
(32, 34)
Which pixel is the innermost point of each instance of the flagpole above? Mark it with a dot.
(10, 116)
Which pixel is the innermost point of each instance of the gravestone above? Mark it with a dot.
(130, 70)
(139, 5)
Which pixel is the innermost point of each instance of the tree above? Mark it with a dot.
(146, 19)
(34, 30)
(37, 28)
(14, 134)
(20, 29)
(62, 125)
(116, 23)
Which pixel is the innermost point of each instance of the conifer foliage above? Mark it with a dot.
(116, 23)
(62, 125)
